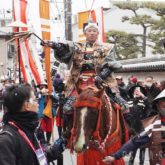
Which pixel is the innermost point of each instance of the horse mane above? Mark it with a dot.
(88, 93)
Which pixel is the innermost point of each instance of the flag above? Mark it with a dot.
(21, 11)
(98, 16)
(37, 61)
(82, 18)
(45, 28)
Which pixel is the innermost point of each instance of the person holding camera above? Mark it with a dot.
(18, 141)
(139, 106)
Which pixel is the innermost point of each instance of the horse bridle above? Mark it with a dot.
(93, 102)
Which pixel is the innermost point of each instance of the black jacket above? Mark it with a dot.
(139, 108)
(129, 85)
(153, 92)
(123, 91)
(14, 150)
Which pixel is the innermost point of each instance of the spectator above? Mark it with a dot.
(57, 80)
(129, 81)
(139, 108)
(122, 88)
(152, 133)
(46, 124)
(152, 92)
(133, 81)
(19, 145)
(162, 84)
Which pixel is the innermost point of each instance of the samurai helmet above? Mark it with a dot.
(89, 24)
(155, 101)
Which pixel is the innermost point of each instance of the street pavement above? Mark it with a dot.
(70, 159)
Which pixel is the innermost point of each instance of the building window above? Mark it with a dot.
(2, 23)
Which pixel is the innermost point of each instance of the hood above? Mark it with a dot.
(57, 75)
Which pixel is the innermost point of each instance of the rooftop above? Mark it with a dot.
(145, 64)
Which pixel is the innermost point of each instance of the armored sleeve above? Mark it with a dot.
(63, 51)
(132, 145)
(110, 62)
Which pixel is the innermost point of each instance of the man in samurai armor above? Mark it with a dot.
(90, 62)
(153, 133)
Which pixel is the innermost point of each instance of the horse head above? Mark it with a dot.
(87, 109)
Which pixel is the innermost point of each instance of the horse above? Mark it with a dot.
(95, 120)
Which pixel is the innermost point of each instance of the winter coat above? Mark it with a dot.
(153, 91)
(139, 108)
(14, 150)
(123, 91)
(129, 85)
(57, 80)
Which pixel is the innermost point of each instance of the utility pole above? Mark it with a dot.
(68, 19)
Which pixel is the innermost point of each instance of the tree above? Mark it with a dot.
(157, 33)
(126, 44)
(145, 21)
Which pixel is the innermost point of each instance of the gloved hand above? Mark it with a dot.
(60, 144)
(99, 79)
(46, 43)
(104, 73)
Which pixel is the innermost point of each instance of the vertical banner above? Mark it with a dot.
(28, 67)
(82, 18)
(98, 16)
(45, 28)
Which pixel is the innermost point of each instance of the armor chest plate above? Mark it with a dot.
(89, 57)
(89, 54)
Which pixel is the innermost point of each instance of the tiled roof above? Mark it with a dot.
(154, 63)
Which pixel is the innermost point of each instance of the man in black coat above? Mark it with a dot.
(18, 142)
(122, 88)
(152, 92)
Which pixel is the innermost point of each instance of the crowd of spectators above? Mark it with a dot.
(139, 94)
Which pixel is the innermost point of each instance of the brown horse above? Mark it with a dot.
(87, 116)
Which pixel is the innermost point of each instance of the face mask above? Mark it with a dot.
(149, 84)
(162, 111)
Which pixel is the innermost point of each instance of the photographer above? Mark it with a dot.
(19, 144)
(139, 108)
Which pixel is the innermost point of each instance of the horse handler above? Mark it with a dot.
(153, 133)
